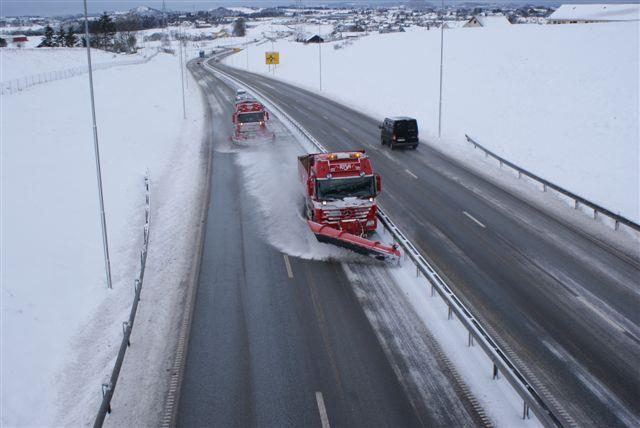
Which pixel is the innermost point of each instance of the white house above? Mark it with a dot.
(488, 21)
(584, 13)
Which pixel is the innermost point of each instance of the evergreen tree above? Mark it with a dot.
(239, 27)
(70, 39)
(59, 38)
(47, 40)
(107, 30)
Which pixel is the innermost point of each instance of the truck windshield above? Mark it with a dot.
(251, 117)
(360, 187)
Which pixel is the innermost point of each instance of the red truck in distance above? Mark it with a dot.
(340, 201)
(250, 121)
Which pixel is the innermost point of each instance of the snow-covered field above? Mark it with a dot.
(17, 63)
(61, 327)
(561, 101)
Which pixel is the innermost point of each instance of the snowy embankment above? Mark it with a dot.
(61, 326)
(18, 63)
(561, 101)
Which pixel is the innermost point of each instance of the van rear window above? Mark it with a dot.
(406, 126)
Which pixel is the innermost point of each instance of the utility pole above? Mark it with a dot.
(96, 149)
(441, 60)
(320, 55)
(184, 111)
(186, 46)
(164, 19)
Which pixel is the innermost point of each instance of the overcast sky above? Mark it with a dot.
(62, 7)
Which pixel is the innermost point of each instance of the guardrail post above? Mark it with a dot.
(433, 291)
(544, 187)
(595, 213)
(519, 174)
(575, 204)
(106, 387)
(470, 341)
(616, 225)
(496, 373)
(125, 326)
(417, 272)
(450, 313)
(525, 411)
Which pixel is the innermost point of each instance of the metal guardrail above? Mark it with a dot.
(13, 86)
(501, 363)
(578, 200)
(109, 388)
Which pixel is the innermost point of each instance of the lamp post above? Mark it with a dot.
(96, 149)
(320, 56)
(184, 111)
(441, 60)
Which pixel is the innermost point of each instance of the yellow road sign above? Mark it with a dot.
(272, 58)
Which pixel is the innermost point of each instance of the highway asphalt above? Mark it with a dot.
(563, 304)
(281, 341)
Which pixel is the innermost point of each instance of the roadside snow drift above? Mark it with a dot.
(61, 327)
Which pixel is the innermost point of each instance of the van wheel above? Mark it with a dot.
(382, 141)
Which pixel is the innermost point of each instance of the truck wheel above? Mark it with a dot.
(382, 141)
(393, 146)
(414, 147)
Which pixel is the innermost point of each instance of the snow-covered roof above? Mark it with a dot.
(597, 12)
(493, 21)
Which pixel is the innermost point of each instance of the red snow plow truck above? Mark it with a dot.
(340, 205)
(250, 121)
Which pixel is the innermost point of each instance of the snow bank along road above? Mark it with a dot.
(278, 340)
(562, 303)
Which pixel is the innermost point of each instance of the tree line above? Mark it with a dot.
(103, 32)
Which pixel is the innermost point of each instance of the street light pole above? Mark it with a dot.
(103, 221)
(184, 111)
(441, 60)
(320, 57)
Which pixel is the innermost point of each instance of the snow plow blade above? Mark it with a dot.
(378, 251)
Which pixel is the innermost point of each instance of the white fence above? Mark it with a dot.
(16, 85)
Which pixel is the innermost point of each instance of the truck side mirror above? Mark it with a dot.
(310, 187)
(378, 184)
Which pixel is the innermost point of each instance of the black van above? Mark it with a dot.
(399, 132)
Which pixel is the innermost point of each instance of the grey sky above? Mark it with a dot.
(63, 7)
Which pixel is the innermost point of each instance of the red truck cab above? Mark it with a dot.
(340, 190)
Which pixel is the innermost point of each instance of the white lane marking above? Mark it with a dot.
(323, 410)
(325, 117)
(411, 174)
(475, 220)
(346, 130)
(288, 266)
(268, 85)
(602, 315)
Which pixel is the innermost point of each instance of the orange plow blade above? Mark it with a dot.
(378, 251)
